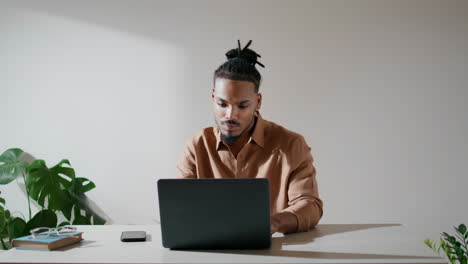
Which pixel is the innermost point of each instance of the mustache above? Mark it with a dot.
(231, 122)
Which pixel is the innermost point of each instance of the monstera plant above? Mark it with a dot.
(56, 190)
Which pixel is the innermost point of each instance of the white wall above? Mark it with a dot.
(378, 88)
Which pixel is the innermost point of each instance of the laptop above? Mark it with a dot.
(215, 213)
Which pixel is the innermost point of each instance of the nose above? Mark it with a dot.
(231, 113)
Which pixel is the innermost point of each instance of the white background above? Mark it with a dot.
(379, 89)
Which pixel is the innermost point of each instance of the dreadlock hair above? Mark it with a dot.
(240, 66)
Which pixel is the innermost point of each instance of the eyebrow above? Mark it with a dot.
(242, 102)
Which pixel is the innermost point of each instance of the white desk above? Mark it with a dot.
(374, 243)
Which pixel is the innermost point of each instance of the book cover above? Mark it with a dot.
(47, 243)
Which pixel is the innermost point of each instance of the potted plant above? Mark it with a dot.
(454, 247)
(57, 191)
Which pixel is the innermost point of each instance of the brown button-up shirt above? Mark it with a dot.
(272, 152)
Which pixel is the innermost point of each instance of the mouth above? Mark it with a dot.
(230, 127)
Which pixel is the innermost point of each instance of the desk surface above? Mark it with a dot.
(327, 243)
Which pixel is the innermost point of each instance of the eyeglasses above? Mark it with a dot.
(42, 232)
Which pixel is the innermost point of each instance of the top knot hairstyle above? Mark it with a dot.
(240, 66)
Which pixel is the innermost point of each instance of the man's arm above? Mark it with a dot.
(186, 164)
(284, 222)
(304, 202)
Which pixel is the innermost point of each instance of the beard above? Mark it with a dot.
(230, 139)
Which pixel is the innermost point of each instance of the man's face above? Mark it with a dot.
(234, 106)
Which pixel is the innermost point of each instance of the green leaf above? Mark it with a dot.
(97, 220)
(3, 219)
(461, 229)
(67, 208)
(441, 243)
(44, 183)
(446, 249)
(57, 188)
(81, 187)
(65, 223)
(17, 228)
(429, 243)
(80, 220)
(2, 200)
(4, 232)
(449, 238)
(460, 237)
(11, 166)
(66, 171)
(44, 218)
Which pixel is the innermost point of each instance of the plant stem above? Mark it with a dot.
(3, 244)
(27, 192)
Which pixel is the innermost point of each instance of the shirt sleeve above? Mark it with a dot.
(304, 201)
(186, 164)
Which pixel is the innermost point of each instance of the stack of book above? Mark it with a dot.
(47, 243)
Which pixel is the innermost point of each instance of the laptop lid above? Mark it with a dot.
(215, 213)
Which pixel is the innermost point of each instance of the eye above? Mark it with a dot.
(222, 104)
(243, 106)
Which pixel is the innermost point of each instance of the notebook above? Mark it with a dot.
(47, 243)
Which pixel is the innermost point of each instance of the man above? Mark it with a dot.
(244, 145)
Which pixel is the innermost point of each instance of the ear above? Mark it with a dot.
(259, 101)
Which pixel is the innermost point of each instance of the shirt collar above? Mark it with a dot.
(258, 135)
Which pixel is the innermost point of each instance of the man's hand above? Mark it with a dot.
(284, 222)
